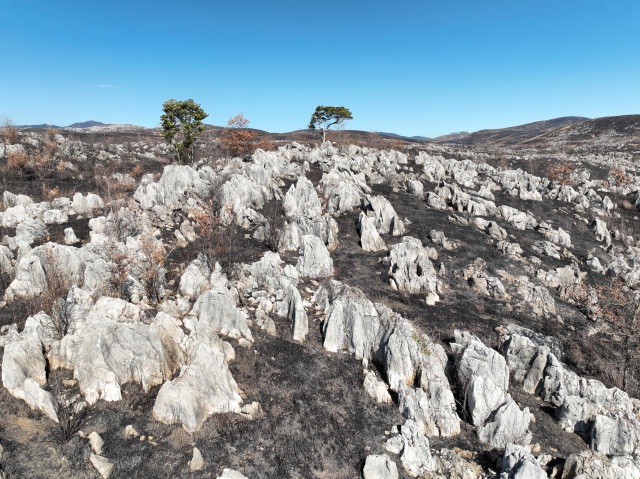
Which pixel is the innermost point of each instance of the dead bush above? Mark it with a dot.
(17, 160)
(236, 139)
(9, 133)
(561, 173)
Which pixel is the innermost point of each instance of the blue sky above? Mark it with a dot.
(410, 67)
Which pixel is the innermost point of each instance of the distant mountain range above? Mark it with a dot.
(511, 135)
(82, 124)
(571, 129)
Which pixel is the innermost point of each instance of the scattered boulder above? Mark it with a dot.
(380, 467)
(315, 260)
(411, 269)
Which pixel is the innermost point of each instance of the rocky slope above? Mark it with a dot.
(331, 311)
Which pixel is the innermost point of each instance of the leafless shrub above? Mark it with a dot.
(561, 173)
(72, 410)
(9, 133)
(236, 138)
(17, 160)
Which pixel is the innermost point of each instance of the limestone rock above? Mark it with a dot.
(205, 385)
(315, 260)
(197, 461)
(231, 474)
(376, 389)
(218, 308)
(24, 371)
(601, 231)
(370, 240)
(103, 465)
(411, 269)
(96, 442)
(352, 322)
(475, 359)
(416, 455)
(195, 279)
(385, 218)
(70, 237)
(380, 467)
(518, 463)
(302, 200)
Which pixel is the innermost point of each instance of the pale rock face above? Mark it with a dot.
(376, 389)
(178, 182)
(13, 216)
(385, 218)
(195, 279)
(302, 200)
(352, 323)
(86, 205)
(324, 227)
(380, 467)
(475, 359)
(55, 217)
(205, 385)
(96, 442)
(343, 190)
(111, 354)
(585, 406)
(295, 312)
(434, 411)
(197, 462)
(231, 474)
(10, 200)
(498, 419)
(416, 455)
(518, 463)
(374, 332)
(616, 436)
(218, 308)
(24, 371)
(268, 275)
(315, 261)
(600, 231)
(103, 465)
(416, 188)
(536, 299)
(483, 397)
(6, 258)
(75, 267)
(31, 231)
(411, 269)
(588, 464)
(369, 238)
(70, 237)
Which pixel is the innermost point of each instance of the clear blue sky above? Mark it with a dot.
(412, 67)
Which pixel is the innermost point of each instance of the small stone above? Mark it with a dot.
(130, 431)
(96, 442)
(197, 462)
(102, 465)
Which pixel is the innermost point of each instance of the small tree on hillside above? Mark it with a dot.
(181, 124)
(327, 116)
(236, 138)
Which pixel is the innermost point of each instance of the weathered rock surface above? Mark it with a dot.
(411, 269)
(380, 467)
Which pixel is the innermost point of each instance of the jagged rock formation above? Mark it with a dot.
(139, 296)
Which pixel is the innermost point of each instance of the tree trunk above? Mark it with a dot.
(324, 135)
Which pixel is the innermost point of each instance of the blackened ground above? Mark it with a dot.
(316, 421)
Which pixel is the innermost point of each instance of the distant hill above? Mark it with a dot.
(86, 124)
(510, 136)
(82, 124)
(402, 137)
